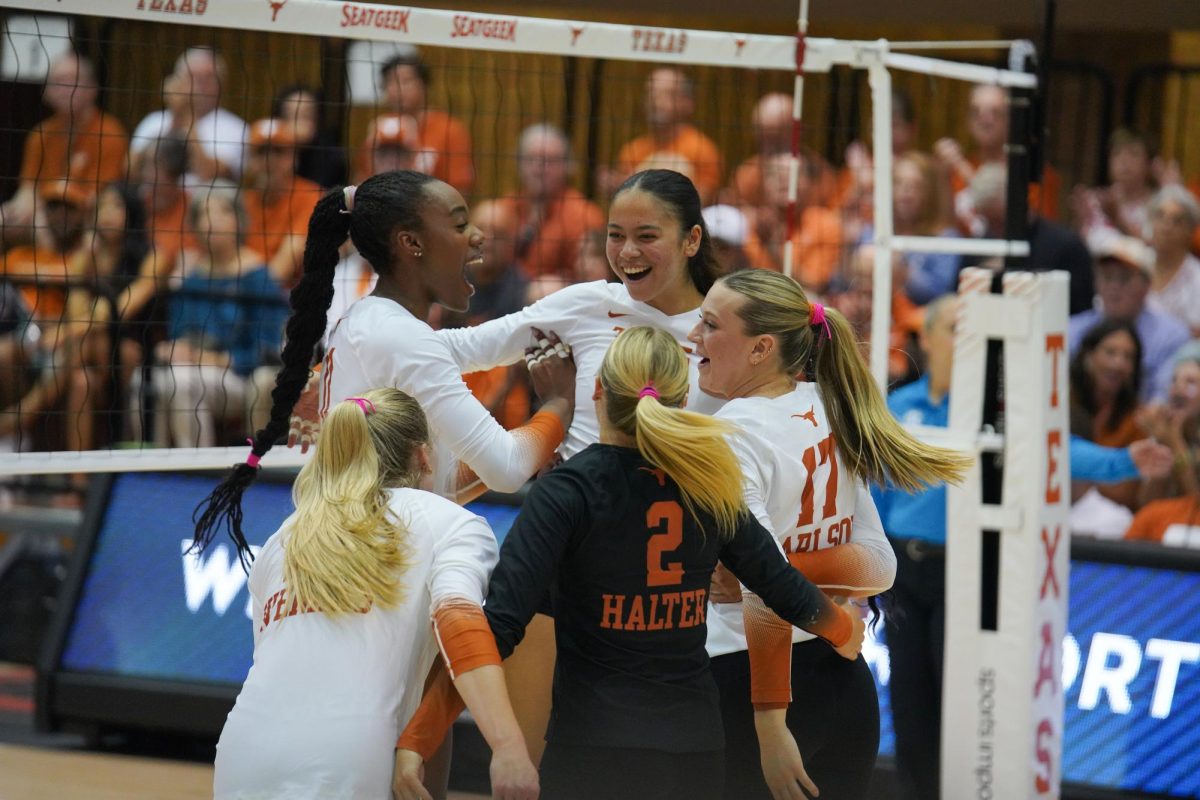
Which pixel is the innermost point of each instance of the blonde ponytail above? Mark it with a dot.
(874, 444)
(645, 381)
(821, 344)
(345, 550)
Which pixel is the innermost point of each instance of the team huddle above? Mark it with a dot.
(701, 554)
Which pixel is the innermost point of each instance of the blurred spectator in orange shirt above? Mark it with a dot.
(78, 142)
(391, 144)
(551, 214)
(320, 156)
(673, 142)
(987, 121)
(160, 188)
(1174, 522)
(40, 270)
(443, 147)
(278, 202)
(817, 240)
(772, 121)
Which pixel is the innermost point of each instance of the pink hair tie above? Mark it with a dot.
(348, 198)
(366, 405)
(252, 460)
(817, 318)
(648, 391)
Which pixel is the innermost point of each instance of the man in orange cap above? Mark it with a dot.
(392, 143)
(442, 146)
(278, 201)
(40, 270)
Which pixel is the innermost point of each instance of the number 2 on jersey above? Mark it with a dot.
(824, 450)
(670, 514)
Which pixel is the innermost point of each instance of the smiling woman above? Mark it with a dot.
(415, 232)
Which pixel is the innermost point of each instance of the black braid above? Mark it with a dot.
(381, 203)
(327, 230)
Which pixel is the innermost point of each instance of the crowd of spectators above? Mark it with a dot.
(146, 274)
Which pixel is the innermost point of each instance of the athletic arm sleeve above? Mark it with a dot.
(440, 706)
(1094, 462)
(463, 560)
(502, 341)
(552, 513)
(862, 567)
(756, 559)
(502, 459)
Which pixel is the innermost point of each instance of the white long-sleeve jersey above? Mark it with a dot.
(379, 343)
(587, 316)
(799, 488)
(326, 697)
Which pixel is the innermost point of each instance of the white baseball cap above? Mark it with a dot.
(726, 223)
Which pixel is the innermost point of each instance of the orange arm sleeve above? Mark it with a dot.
(463, 636)
(849, 570)
(769, 643)
(440, 706)
(545, 431)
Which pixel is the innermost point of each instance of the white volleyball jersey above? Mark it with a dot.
(798, 487)
(587, 316)
(326, 697)
(379, 343)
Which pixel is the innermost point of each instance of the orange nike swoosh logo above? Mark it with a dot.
(614, 314)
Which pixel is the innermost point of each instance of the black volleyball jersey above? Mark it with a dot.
(628, 569)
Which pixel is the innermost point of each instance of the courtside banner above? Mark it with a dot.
(148, 609)
(1003, 712)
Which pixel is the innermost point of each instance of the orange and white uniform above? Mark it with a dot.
(799, 488)
(326, 697)
(380, 343)
(587, 316)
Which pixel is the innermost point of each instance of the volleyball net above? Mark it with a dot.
(133, 340)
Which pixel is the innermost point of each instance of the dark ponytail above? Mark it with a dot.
(380, 204)
(676, 191)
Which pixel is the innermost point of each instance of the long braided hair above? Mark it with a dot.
(379, 205)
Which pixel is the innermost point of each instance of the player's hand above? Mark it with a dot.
(552, 368)
(725, 587)
(858, 631)
(407, 777)
(782, 764)
(305, 422)
(513, 775)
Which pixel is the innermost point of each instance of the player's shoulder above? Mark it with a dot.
(371, 318)
(417, 502)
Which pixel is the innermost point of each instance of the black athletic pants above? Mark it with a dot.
(916, 629)
(577, 772)
(834, 716)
